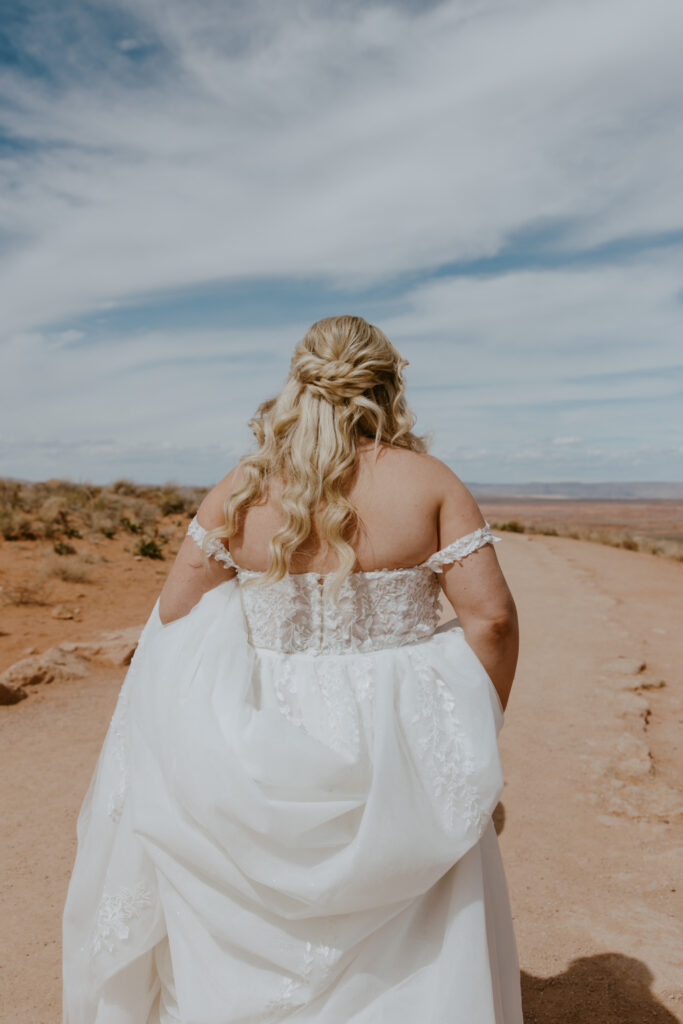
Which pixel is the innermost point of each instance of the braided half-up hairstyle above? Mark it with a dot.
(345, 384)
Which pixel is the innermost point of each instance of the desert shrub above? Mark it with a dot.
(630, 544)
(146, 512)
(60, 547)
(130, 526)
(52, 515)
(10, 494)
(71, 569)
(549, 531)
(17, 525)
(512, 526)
(149, 548)
(171, 502)
(124, 487)
(108, 531)
(23, 594)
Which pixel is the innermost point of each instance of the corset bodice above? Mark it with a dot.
(372, 611)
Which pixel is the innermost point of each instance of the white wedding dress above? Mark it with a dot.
(290, 817)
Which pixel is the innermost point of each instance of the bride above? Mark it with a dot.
(290, 817)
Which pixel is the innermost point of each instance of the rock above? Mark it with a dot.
(638, 801)
(630, 758)
(629, 785)
(30, 650)
(655, 800)
(641, 681)
(69, 660)
(60, 611)
(114, 647)
(625, 666)
(11, 694)
(634, 706)
(652, 684)
(53, 664)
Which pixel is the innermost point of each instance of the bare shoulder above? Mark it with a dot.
(459, 513)
(419, 466)
(211, 510)
(427, 471)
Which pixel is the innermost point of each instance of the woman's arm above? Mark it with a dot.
(478, 590)
(189, 577)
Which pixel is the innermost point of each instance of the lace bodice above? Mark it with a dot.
(373, 610)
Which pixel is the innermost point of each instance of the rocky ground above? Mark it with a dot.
(591, 820)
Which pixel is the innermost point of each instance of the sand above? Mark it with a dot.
(590, 822)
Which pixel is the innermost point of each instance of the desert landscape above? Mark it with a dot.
(591, 819)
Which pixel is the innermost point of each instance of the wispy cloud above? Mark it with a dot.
(184, 187)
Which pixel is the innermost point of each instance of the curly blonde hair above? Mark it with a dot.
(345, 383)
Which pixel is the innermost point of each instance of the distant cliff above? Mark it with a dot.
(576, 491)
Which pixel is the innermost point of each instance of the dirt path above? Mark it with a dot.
(590, 821)
(592, 804)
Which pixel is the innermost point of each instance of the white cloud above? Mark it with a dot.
(352, 143)
(355, 145)
(500, 408)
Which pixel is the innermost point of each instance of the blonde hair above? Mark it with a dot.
(345, 383)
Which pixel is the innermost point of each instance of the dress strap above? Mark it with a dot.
(461, 547)
(213, 547)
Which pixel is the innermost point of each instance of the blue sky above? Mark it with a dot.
(185, 187)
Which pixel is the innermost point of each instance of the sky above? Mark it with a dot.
(186, 187)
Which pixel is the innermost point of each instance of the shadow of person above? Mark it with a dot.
(604, 989)
(498, 818)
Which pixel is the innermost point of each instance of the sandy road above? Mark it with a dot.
(593, 810)
(591, 821)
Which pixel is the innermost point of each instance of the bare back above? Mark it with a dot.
(397, 495)
(410, 505)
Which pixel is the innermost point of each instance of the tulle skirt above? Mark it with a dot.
(302, 837)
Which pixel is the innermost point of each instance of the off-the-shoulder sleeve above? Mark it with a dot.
(213, 547)
(460, 548)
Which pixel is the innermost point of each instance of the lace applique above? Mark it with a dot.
(364, 682)
(460, 548)
(114, 914)
(287, 999)
(119, 732)
(443, 748)
(213, 547)
(373, 611)
(287, 698)
(119, 724)
(317, 963)
(336, 690)
(349, 702)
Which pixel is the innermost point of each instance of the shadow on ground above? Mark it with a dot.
(608, 988)
(605, 989)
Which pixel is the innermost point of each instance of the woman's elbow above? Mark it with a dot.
(499, 623)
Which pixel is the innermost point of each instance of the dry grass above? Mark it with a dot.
(669, 547)
(64, 512)
(69, 568)
(24, 594)
(60, 510)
